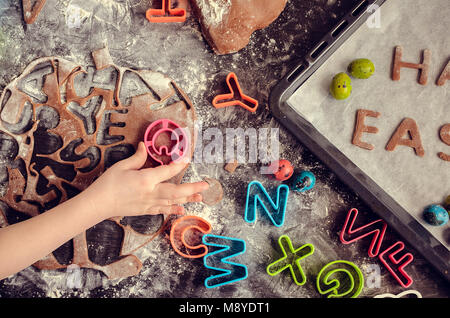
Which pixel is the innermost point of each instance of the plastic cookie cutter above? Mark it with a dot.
(399, 262)
(166, 13)
(185, 236)
(336, 289)
(235, 97)
(275, 211)
(349, 234)
(163, 134)
(218, 260)
(290, 257)
(395, 265)
(404, 293)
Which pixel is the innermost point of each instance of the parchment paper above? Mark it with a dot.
(414, 182)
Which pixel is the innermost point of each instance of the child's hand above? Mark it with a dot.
(124, 190)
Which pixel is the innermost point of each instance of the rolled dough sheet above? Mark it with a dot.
(412, 181)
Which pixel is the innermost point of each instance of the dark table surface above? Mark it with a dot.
(180, 51)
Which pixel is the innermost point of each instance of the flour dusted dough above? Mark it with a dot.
(31, 9)
(91, 115)
(214, 194)
(228, 24)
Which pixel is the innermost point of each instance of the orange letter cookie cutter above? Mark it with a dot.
(184, 233)
(235, 97)
(166, 13)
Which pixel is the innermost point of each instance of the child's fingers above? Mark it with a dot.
(165, 172)
(197, 197)
(174, 191)
(167, 210)
(137, 160)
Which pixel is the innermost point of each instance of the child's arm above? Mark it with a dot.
(123, 190)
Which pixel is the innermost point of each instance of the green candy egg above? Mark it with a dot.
(341, 86)
(361, 68)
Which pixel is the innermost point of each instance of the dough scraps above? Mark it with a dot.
(31, 11)
(62, 126)
(231, 166)
(214, 194)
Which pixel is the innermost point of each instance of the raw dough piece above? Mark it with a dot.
(231, 166)
(214, 194)
(228, 24)
(32, 10)
(60, 129)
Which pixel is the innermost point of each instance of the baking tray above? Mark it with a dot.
(373, 195)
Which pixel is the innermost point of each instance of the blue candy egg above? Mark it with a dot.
(304, 181)
(435, 215)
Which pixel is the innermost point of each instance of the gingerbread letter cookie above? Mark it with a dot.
(361, 128)
(407, 126)
(445, 75)
(444, 133)
(424, 67)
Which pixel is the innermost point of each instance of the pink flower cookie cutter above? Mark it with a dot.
(174, 145)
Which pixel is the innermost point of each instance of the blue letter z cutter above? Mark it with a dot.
(218, 260)
(277, 210)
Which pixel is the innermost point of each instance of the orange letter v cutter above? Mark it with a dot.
(166, 13)
(235, 97)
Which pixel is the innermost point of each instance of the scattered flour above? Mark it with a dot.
(214, 11)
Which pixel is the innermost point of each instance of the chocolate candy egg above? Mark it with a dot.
(281, 169)
(303, 182)
(435, 215)
(341, 86)
(361, 68)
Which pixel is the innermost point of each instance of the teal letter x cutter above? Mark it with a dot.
(291, 259)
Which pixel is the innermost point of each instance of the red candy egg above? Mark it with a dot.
(281, 169)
